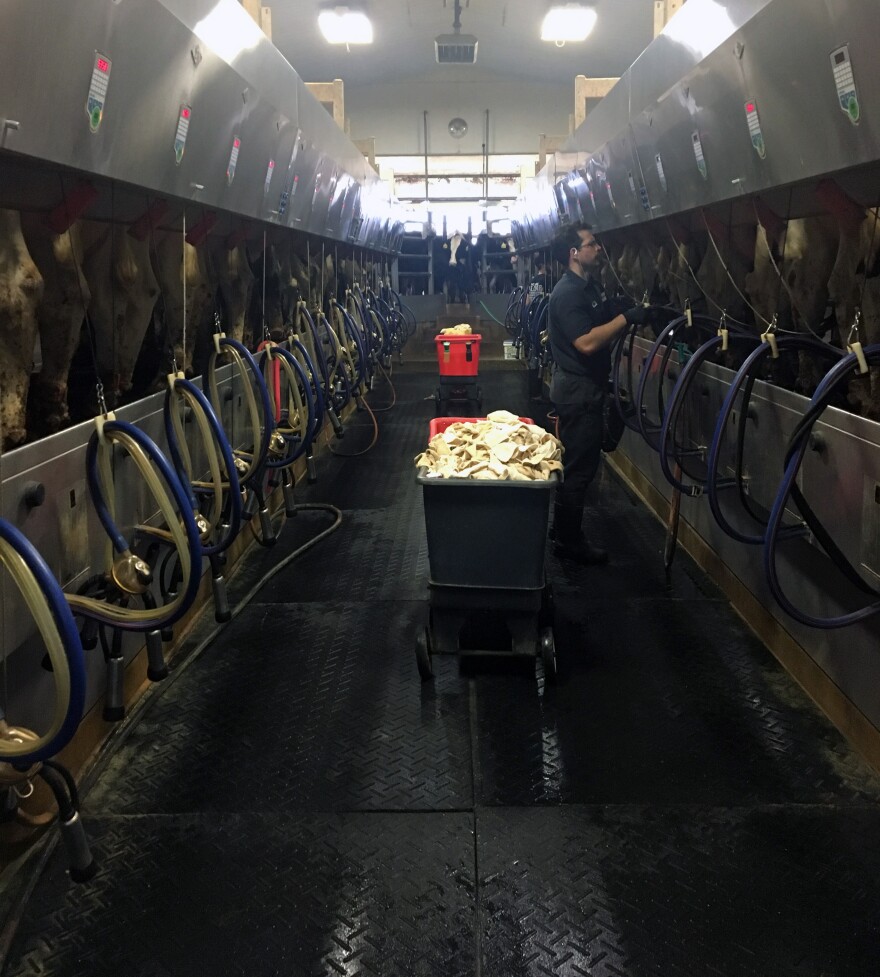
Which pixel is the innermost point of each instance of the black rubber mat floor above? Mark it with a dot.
(294, 801)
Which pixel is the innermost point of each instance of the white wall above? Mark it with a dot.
(518, 112)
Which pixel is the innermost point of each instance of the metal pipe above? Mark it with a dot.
(425, 128)
(486, 158)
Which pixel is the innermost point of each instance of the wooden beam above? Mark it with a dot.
(266, 21)
(253, 8)
(664, 11)
(589, 88)
(262, 16)
(331, 94)
(547, 146)
(368, 148)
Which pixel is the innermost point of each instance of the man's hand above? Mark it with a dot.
(638, 315)
(617, 305)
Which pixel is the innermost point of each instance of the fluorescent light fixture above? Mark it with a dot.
(339, 25)
(228, 37)
(571, 22)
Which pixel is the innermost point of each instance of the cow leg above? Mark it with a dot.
(142, 294)
(61, 314)
(171, 264)
(20, 291)
(235, 281)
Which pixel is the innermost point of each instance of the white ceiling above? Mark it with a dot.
(508, 33)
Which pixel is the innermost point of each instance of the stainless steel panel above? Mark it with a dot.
(737, 59)
(207, 55)
(696, 30)
(322, 193)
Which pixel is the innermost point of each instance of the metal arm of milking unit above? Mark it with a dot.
(356, 306)
(296, 425)
(301, 352)
(623, 349)
(744, 381)
(23, 753)
(307, 332)
(393, 300)
(514, 312)
(345, 326)
(858, 360)
(382, 337)
(251, 464)
(370, 331)
(129, 574)
(668, 441)
(343, 373)
(106, 600)
(51, 612)
(537, 323)
(701, 324)
(521, 328)
(219, 529)
(358, 377)
(392, 322)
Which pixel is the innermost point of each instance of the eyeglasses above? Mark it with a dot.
(590, 244)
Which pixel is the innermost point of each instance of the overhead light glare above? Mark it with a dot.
(571, 22)
(339, 25)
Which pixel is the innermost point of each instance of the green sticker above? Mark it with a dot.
(853, 109)
(95, 119)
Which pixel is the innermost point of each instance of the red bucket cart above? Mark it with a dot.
(458, 359)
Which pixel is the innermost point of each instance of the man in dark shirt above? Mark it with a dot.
(583, 327)
(539, 283)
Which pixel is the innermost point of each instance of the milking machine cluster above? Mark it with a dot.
(214, 480)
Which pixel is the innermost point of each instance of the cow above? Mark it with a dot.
(854, 283)
(124, 292)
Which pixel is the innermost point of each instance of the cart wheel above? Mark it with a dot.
(423, 655)
(548, 653)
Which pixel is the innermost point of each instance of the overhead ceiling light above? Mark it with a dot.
(340, 25)
(571, 22)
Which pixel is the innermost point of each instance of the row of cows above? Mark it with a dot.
(811, 274)
(134, 286)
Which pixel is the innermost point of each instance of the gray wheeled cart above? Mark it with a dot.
(489, 594)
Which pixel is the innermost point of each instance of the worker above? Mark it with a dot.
(539, 282)
(583, 326)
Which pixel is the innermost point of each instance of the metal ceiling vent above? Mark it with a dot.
(455, 48)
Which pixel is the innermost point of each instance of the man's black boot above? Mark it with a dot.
(569, 538)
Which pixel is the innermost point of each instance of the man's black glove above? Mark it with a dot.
(616, 305)
(638, 315)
